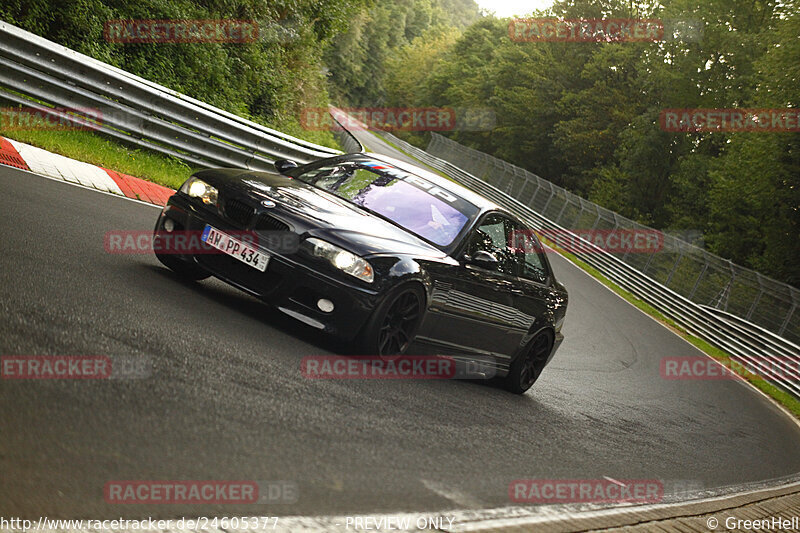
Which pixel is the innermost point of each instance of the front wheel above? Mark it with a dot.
(393, 326)
(182, 268)
(527, 368)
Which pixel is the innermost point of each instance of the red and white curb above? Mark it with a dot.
(27, 157)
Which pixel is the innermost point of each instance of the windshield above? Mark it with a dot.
(412, 202)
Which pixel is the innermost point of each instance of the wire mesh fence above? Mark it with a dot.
(689, 270)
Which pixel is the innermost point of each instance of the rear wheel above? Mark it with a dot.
(393, 326)
(527, 368)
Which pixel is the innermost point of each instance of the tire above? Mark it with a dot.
(394, 323)
(183, 268)
(527, 368)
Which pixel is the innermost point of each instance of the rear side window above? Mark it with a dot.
(529, 249)
(517, 249)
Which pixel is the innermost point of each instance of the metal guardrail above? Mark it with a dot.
(142, 113)
(745, 342)
(38, 73)
(689, 270)
(345, 138)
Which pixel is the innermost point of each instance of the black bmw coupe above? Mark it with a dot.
(380, 253)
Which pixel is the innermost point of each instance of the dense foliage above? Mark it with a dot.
(270, 80)
(360, 59)
(586, 114)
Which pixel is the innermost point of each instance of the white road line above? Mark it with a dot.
(449, 493)
(61, 180)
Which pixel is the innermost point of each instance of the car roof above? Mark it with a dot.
(477, 200)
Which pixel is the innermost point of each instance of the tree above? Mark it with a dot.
(755, 197)
(358, 60)
(270, 80)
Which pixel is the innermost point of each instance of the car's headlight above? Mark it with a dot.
(341, 259)
(197, 188)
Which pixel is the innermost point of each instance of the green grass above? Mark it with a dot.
(97, 149)
(291, 127)
(93, 148)
(784, 398)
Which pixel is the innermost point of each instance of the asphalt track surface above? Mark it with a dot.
(225, 399)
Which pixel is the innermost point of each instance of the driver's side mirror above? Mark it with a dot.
(483, 259)
(284, 165)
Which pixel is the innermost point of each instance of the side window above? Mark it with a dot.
(494, 235)
(488, 236)
(530, 250)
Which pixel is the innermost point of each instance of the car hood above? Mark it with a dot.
(320, 213)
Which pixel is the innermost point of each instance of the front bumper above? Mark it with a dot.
(291, 282)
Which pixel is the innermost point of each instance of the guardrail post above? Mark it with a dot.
(647, 264)
(563, 207)
(596, 220)
(547, 203)
(577, 218)
(533, 194)
(675, 266)
(725, 292)
(625, 255)
(616, 220)
(757, 298)
(510, 186)
(697, 283)
(787, 319)
(485, 171)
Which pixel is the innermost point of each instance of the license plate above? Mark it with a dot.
(232, 246)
